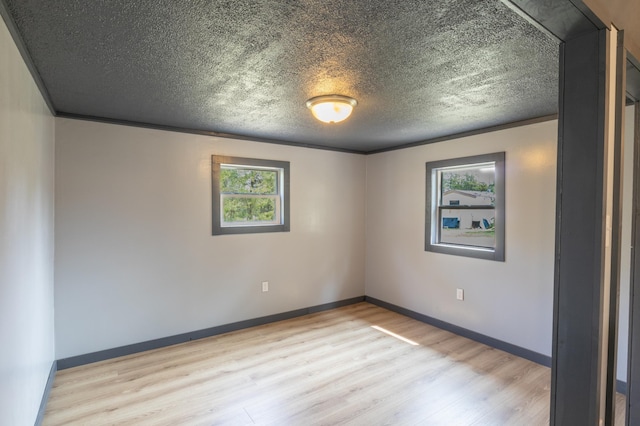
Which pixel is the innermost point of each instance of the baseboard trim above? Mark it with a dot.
(469, 334)
(46, 393)
(106, 354)
(538, 358)
(61, 364)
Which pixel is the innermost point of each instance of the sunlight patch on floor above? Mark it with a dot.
(397, 336)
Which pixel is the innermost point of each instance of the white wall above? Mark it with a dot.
(26, 239)
(511, 301)
(135, 258)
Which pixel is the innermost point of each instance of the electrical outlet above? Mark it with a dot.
(460, 294)
(265, 286)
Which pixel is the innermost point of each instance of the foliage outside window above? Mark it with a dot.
(249, 195)
(465, 206)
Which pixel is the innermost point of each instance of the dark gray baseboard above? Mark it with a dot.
(536, 357)
(45, 394)
(75, 361)
(460, 331)
(89, 358)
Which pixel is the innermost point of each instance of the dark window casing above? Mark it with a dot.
(432, 209)
(217, 229)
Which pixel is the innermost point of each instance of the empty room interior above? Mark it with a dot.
(187, 238)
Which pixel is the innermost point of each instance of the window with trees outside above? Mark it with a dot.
(465, 206)
(249, 195)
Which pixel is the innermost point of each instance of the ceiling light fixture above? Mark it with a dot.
(331, 108)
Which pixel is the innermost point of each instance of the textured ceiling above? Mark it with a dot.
(420, 69)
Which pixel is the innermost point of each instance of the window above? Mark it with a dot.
(249, 195)
(465, 206)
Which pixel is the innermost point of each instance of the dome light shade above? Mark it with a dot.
(331, 108)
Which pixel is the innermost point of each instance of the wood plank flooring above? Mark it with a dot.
(329, 368)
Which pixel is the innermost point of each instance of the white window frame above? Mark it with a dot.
(281, 221)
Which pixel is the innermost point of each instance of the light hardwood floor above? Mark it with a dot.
(329, 368)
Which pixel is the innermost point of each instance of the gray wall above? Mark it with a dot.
(625, 254)
(135, 258)
(26, 239)
(511, 301)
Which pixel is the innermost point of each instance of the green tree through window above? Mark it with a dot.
(247, 181)
(464, 182)
(235, 181)
(250, 195)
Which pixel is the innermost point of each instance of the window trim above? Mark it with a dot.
(283, 180)
(431, 208)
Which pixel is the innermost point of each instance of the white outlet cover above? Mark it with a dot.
(460, 294)
(265, 285)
